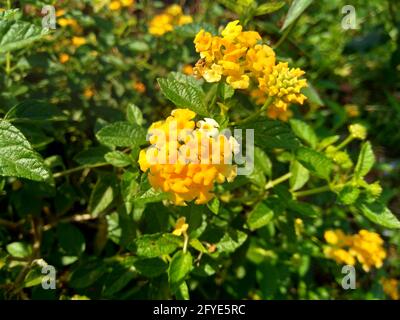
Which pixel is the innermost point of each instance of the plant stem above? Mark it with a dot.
(186, 241)
(277, 181)
(63, 173)
(345, 142)
(286, 34)
(312, 191)
(257, 113)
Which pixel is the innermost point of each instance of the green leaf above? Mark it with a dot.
(190, 30)
(213, 205)
(134, 115)
(365, 161)
(380, 214)
(70, 239)
(295, 10)
(121, 281)
(150, 196)
(118, 159)
(270, 134)
(92, 156)
(33, 110)
(19, 249)
(183, 292)
(305, 132)
(87, 274)
(299, 177)
(33, 278)
(150, 267)
(103, 194)
(302, 208)
(121, 134)
(269, 7)
(312, 95)
(179, 268)
(315, 161)
(155, 245)
(262, 161)
(196, 244)
(231, 240)
(17, 157)
(225, 91)
(260, 216)
(183, 95)
(18, 34)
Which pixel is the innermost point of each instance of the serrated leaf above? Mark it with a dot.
(150, 267)
(304, 131)
(260, 216)
(121, 134)
(380, 214)
(16, 34)
(155, 245)
(183, 95)
(92, 156)
(33, 110)
(179, 268)
(299, 177)
(315, 161)
(365, 161)
(17, 157)
(231, 240)
(295, 10)
(348, 195)
(270, 134)
(134, 115)
(118, 159)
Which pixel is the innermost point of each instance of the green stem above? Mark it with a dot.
(186, 241)
(345, 142)
(277, 181)
(257, 113)
(286, 34)
(312, 191)
(66, 172)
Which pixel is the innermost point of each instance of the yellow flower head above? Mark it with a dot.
(64, 58)
(180, 227)
(391, 288)
(78, 41)
(187, 69)
(358, 131)
(167, 20)
(366, 247)
(139, 87)
(115, 5)
(284, 85)
(186, 158)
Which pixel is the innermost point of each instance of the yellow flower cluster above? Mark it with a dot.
(246, 64)
(166, 21)
(186, 158)
(118, 4)
(391, 288)
(365, 246)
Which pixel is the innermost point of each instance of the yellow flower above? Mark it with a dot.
(187, 69)
(391, 288)
(352, 110)
(174, 10)
(213, 74)
(167, 20)
(160, 24)
(88, 93)
(180, 227)
(127, 3)
(65, 22)
(232, 30)
(78, 41)
(185, 159)
(366, 247)
(115, 5)
(60, 13)
(202, 41)
(64, 58)
(284, 85)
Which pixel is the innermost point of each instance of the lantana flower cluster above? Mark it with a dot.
(166, 21)
(365, 247)
(244, 62)
(186, 158)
